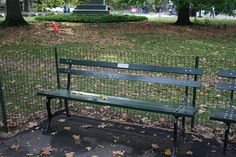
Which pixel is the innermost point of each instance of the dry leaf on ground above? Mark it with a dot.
(67, 128)
(196, 138)
(118, 153)
(103, 97)
(155, 146)
(86, 126)
(189, 153)
(103, 125)
(15, 146)
(62, 120)
(54, 133)
(32, 124)
(88, 148)
(76, 137)
(69, 154)
(168, 152)
(47, 150)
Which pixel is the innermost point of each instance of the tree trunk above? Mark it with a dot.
(26, 5)
(183, 16)
(14, 16)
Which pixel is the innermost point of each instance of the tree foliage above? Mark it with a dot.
(53, 3)
(220, 6)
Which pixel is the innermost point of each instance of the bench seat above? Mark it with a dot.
(152, 106)
(224, 115)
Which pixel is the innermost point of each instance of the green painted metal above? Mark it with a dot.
(227, 73)
(58, 75)
(224, 115)
(159, 80)
(195, 89)
(227, 115)
(150, 68)
(152, 106)
(3, 108)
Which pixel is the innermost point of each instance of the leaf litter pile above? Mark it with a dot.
(130, 35)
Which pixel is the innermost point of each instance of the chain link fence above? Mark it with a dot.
(23, 73)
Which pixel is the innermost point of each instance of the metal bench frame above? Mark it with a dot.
(228, 115)
(180, 111)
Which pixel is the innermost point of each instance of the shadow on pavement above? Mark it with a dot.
(105, 139)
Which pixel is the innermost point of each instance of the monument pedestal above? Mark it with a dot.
(92, 7)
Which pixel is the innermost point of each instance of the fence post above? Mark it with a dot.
(195, 89)
(3, 108)
(58, 76)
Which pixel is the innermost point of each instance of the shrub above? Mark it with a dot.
(40, 7)
(91, 18)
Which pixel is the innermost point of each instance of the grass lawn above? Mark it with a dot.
(162, 38)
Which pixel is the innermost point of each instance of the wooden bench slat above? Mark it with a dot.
(227, 73)
(173, 109)
(176, 70)
(186, 83)
(226, 86)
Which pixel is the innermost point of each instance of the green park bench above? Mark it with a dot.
(227, 115)
(182, 110)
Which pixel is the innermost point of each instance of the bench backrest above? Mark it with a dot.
(70, 70)
(228, 86)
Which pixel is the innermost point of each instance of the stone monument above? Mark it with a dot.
(91, 7)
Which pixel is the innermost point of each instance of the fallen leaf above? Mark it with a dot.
(15, 146)
(32, 124)
(129, 128)
(168, 152)
(101, 146)
(155, 146)
(125, 116)
(86, 126)
(54, 133)
(103, 97)
(94, 156)
(69, 154)
(118, 153)
(103, 125)
(88, 148)
(67, 128)
(189, 153)
(76, 137)
(88, 108)
(62, 120)
(47, 150)
(161, 120)
(196, 138)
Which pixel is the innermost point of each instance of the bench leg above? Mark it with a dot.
(183, 128)
(226, 137)
(67, 108)
(174, 151)
(48, 102)
(192, 122)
